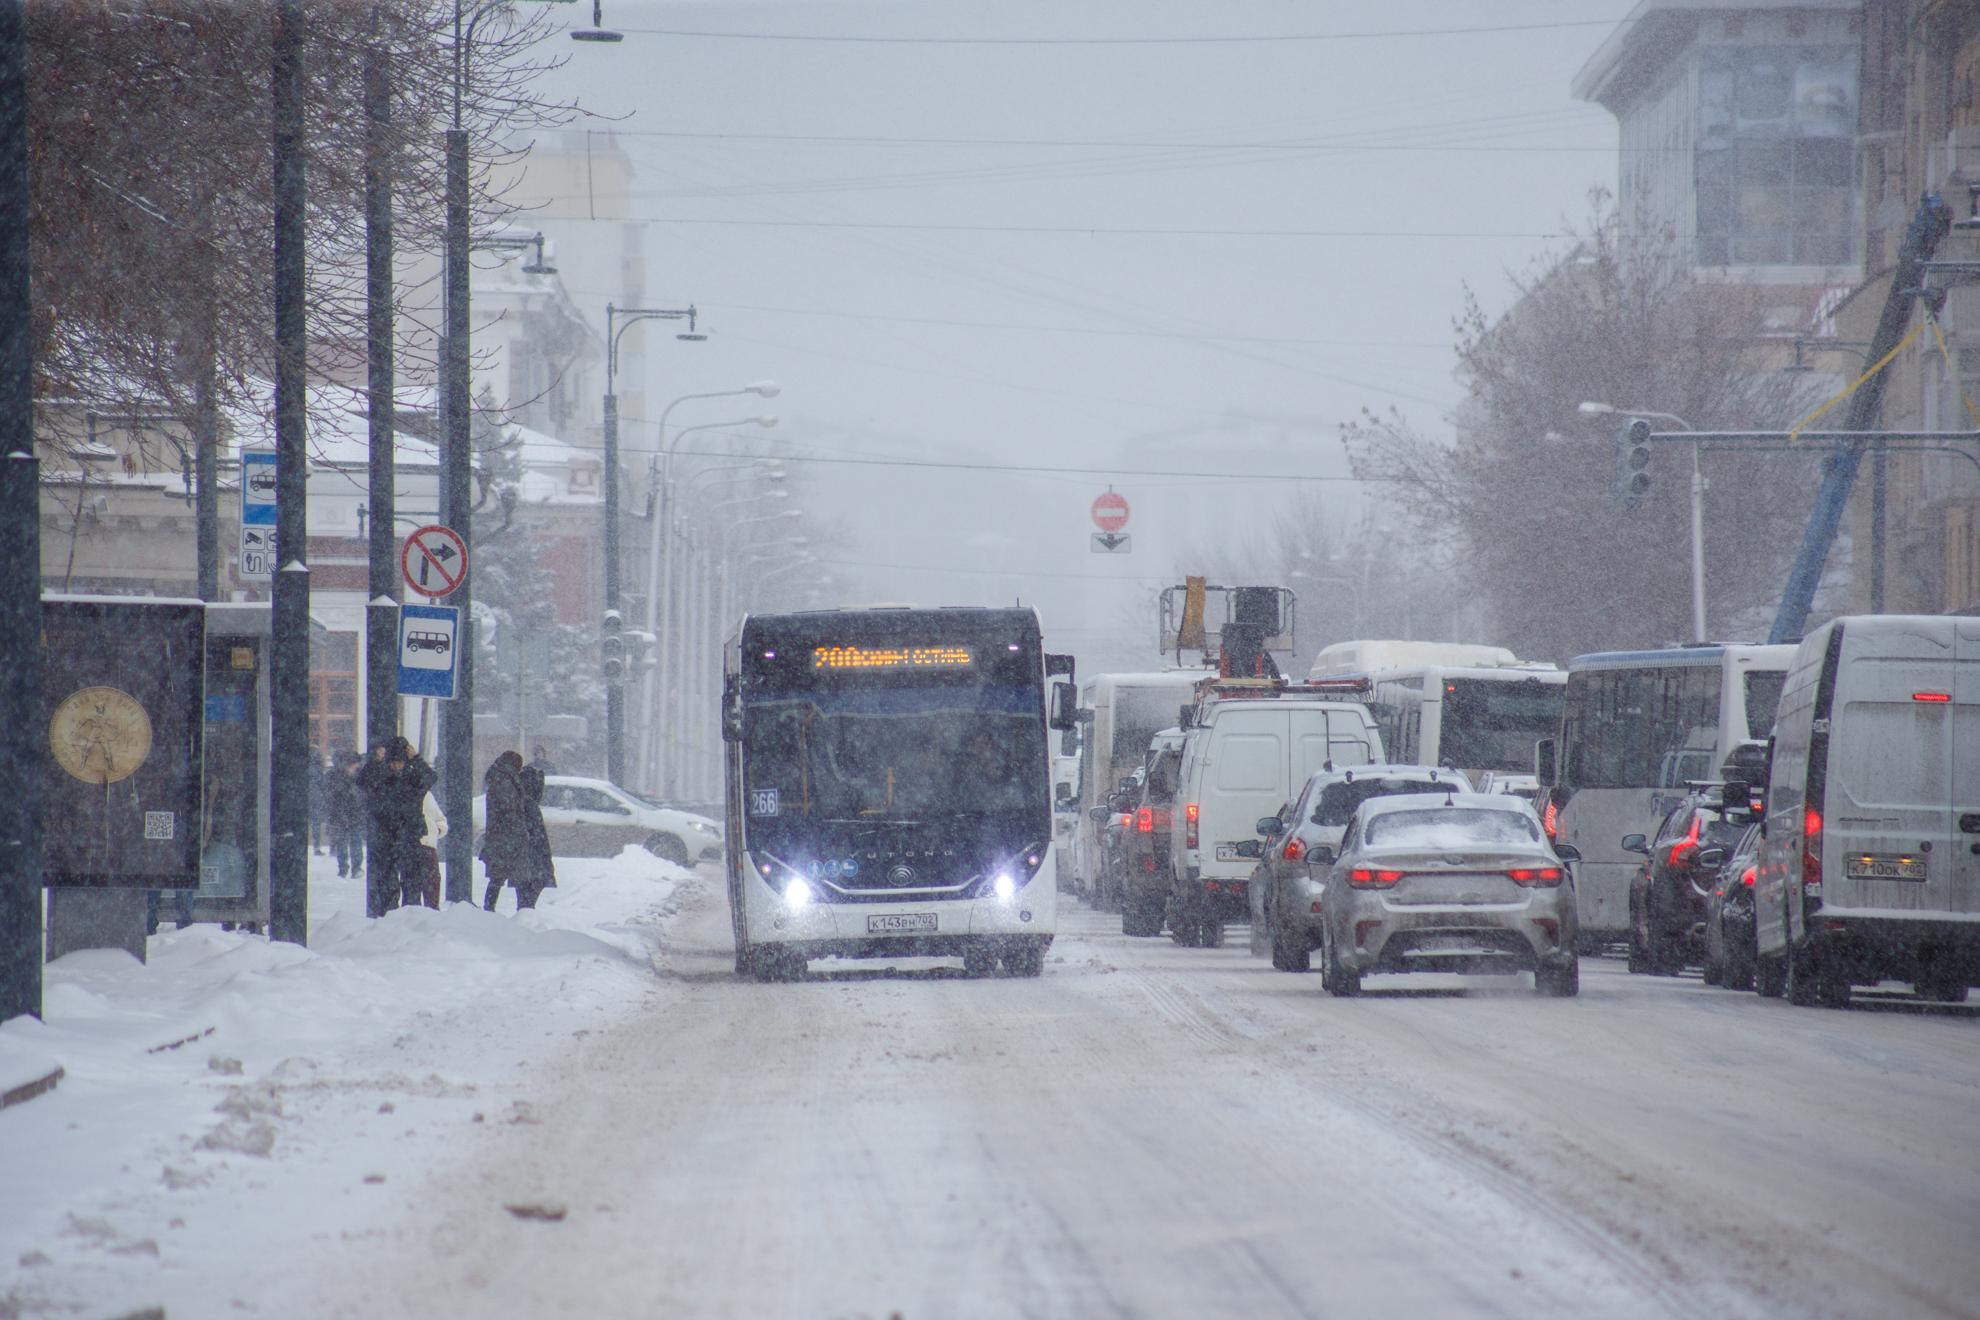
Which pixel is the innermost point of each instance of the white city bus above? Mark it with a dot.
(1635, 726)
(889, 789)
(1127, 711)
(1474, 720)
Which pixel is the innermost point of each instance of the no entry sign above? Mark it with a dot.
(1110, 512)
(434, 561)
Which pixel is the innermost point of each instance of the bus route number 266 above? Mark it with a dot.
(762, 801)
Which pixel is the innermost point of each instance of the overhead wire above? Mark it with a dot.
(1201, 39)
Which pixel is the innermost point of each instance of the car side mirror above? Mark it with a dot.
(1543, 760)
(1712, 857)
(1567, 852)
(1271, 826)
(1065, 706)
(1636, 843)
(1249, 848)
(1320, 854)
(1098, 814)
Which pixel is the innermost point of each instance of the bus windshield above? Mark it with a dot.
(901, 755)
(1492, 725)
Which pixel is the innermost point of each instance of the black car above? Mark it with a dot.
(1115, 818)
(1667, 897)
(1729, 948)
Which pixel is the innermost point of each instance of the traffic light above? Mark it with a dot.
(1632, 462)
(612, 647)
(639, 652)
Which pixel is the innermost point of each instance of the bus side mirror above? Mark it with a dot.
(1065, 706)
(731, 712)
(1543, 761)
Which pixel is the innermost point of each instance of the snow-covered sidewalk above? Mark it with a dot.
(233, 1097)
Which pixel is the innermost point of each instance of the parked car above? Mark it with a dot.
(1249, 751)
(1458, 882)
(1145, 840)
(1729, 915)
(597, 818)
(1282, 892)
(1667, 897)
(1870, 868)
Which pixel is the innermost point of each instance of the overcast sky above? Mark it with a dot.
(1010, 302)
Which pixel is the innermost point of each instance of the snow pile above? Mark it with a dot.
(229, 1066)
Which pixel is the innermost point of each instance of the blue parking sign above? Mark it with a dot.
(429, 650)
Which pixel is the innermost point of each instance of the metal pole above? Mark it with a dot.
(1877, 514)
(615, 693)
(288, 869)
(206, 463)
(457, 503)
(381, 616)
(21, 750)
(1697, 547)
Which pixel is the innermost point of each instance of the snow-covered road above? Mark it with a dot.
(1154, 1131)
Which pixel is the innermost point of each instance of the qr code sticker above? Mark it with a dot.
(159, 824)
(763, 802)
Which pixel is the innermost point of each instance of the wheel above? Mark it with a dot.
(1341, 982)
(1290, 954)
(1739, 972)
(1639, 939)
(668, 848)
(1941, 978)
(1025, 959)
(1558, 982)
(1811, 983)
(1770, 976)
(1714, 972)
(771, 963)
(979, 960)
(1210, 933)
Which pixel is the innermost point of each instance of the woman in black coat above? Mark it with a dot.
(505, 850)
(542, 873)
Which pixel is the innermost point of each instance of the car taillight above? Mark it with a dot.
(1295, 849)
(1550, 819)
(1746, 877)
(1127, 820)
(1190, 814)
(1683, 850)
(1144, 821)
(1811, 849)
(1364, 878)
(1536, 877)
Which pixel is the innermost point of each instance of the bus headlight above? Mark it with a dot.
(1004, 887)
(798, 892)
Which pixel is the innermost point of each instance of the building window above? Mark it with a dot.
(333, 688)
(1774, 165)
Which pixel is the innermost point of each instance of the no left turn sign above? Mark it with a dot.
(434, 561)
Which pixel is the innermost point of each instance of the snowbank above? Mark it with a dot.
(229, 1067)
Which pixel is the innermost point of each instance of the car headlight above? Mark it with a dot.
(705, 827)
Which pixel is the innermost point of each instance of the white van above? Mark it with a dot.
(1870, 868)
(1244, 759)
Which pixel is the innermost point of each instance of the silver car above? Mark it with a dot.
(1447, 882)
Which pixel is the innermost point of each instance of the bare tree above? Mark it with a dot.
(1518, 495)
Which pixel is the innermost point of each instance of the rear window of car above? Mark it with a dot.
(1449, 827)
(1338, 801)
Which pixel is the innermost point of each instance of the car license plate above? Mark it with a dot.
(900, 923)
(1227, 852)
(1885, 868)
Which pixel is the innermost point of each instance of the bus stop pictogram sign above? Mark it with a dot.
(434, 561)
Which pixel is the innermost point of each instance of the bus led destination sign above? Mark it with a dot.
(891, 657)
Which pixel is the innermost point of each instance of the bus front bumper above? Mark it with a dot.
(911, 928)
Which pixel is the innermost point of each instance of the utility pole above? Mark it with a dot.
(288, 870)
(21, 747)
(381, 615)
(457, 499)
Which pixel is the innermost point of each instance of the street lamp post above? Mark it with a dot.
(660, 594)
(1596, 409)
(618, 320)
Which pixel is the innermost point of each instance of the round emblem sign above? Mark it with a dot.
(1110, 512)
(100, 735)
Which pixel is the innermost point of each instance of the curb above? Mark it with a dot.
(29, 1090)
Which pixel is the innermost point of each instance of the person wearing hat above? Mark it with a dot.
(395, 783)
(505, 840)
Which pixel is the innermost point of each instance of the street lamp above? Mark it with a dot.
(618, 320)
(1591, 408)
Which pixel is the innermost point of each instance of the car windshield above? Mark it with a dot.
(1449, 827)
(1338, 801)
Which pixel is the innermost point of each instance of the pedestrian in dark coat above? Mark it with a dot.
(395, 787)
(542, 872)
(347, 814)
(505, 835)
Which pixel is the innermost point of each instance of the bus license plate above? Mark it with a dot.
(901, 923)
(1886, 868)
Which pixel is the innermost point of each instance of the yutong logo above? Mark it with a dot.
(900, 875)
